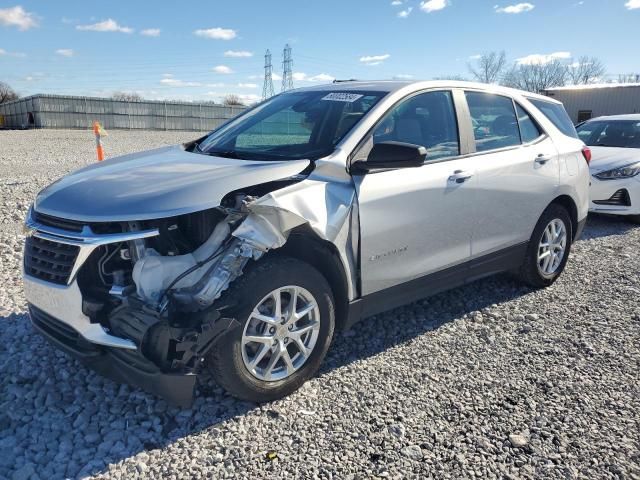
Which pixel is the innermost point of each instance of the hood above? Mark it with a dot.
(606, 158)
(159, 183)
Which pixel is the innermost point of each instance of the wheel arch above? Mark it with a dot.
(306, 246)
(570, 205)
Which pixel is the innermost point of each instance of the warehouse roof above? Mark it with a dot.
(592, 86)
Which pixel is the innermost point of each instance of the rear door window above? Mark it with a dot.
(529, 129)
(494, 121)
(557, 115)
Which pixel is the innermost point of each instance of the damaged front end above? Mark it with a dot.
(147, 290)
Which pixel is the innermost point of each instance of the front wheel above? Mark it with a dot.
(285, 312)
(548, 249)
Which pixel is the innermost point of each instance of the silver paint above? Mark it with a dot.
(156, 184)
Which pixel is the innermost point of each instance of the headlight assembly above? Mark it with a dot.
(627, 171)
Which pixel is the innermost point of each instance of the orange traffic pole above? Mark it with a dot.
(99, 149)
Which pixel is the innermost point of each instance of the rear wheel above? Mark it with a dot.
(548, 249)
(285, 312)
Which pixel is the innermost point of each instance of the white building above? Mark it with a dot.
(588, 101)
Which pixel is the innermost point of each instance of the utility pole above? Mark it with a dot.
(267, 89)
(287, 66)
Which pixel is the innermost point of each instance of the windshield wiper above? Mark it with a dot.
(223, 153)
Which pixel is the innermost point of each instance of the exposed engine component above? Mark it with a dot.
(153, 273)
(195, 280)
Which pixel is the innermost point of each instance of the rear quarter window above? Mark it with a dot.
(557, 115)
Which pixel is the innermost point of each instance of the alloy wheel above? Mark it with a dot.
(280, 333)
(552, 248)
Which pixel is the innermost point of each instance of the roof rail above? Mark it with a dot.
(343, 81)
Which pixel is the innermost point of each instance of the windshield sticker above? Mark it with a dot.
(342, 97)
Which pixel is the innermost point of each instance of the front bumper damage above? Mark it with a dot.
(145, 342)
(127, 365)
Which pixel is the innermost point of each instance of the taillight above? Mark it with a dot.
(586, 153)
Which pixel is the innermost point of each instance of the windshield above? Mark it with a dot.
(611, 133)
(291, 126)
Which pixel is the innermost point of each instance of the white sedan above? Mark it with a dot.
(615, 164)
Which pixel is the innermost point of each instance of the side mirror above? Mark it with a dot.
(393, 155)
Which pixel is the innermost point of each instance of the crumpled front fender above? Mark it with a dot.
(329, 208)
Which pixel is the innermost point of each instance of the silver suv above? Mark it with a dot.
(239, 254)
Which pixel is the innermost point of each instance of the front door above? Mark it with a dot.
(416, 221)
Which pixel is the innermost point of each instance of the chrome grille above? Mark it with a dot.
(48, 260)
(56, 222)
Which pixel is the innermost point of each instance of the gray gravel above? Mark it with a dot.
(492, 380)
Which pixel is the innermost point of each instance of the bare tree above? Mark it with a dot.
(629, 78)
(127, 96)
(459, 78)
(489, 67)
(536, 77)
(232, 99)
(7, 94)
(585, 70)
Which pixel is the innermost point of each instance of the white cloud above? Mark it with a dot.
(541, 59)
(150, 32)
(108, 25)
(217, 33)
(395, 3)
(65, 52)
(238, 54)
(405, 13)
(433, 5)
(174, 82)
(320, 78)
(517, 8)
(247, 85)
(475, 57)
(167, 75)
(223, 69)
(402, 76)
(4, 53)
(274, 76)
(632, 4)
(17, 17)
(374, 59)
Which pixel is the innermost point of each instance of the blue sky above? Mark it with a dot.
(202, 50)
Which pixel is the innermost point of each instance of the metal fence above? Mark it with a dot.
(58, 111)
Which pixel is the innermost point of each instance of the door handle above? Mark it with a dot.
(460, 176)
(542, 159)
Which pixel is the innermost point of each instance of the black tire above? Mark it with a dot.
(529, 271)
(225, 362)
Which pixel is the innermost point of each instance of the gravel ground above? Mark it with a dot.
(492, 380)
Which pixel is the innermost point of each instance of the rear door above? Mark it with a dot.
(517, 168)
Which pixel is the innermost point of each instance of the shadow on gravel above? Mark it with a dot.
(601, 225)
(60, 419)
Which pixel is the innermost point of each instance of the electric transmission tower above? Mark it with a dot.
(267, 89)
(287, 65)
